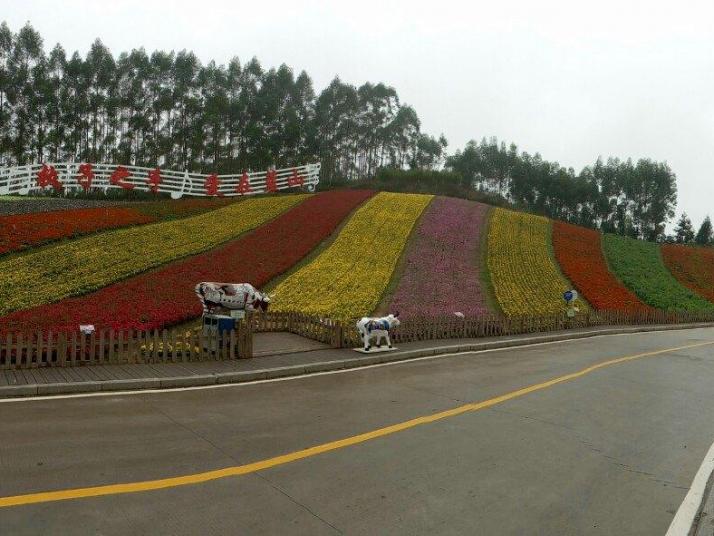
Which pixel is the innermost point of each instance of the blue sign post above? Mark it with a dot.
(570, 296)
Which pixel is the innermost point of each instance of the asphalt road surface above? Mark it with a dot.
(605, 450)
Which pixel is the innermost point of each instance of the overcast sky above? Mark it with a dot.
(620, 78)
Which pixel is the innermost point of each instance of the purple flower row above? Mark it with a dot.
(441, 274)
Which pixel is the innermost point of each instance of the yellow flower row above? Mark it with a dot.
(524, 274)
(348, 279)
(86, 264)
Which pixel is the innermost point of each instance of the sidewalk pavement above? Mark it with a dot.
(95, 378)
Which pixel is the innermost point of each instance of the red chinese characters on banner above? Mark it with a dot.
(117, 178)
(86, 176)
(243, 186)
(295, 179)
(47, 176)
(271, 184)
(154, 180)
(211, 185)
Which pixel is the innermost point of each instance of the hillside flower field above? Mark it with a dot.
(340, 254)
(638, 264)
(89, 263)
(525, 278)
(166, 296)
(347, 279)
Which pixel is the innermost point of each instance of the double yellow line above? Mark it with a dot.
(198, 478)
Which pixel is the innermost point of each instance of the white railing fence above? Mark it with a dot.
(66, 176)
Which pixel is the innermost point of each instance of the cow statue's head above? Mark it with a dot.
(393, 320)
(262, 301)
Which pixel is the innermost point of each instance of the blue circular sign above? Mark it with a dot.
(568, 295)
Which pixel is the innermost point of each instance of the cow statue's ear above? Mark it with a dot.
(396, 315)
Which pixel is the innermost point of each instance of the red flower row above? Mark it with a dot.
(579, 253)
(48, 176)
(25, 230)
(693, 267)
(166, 296)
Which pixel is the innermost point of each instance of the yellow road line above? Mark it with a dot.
(148, 485)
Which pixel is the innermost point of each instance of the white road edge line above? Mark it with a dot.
(684, 518)
(17, 400)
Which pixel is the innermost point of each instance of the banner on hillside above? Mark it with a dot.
(85, 176)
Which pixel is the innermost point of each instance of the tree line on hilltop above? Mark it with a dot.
(168, 109)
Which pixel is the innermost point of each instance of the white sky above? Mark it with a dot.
(569, 79)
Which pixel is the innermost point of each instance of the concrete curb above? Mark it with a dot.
(15, 391)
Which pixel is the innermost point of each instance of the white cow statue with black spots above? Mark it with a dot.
(377, 327)
(236, 296)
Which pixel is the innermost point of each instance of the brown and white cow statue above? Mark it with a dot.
(234, 296)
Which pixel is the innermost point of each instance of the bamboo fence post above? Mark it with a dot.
(164, 346)
(34, 351)
(8, 349)
(110, 348)
(101, 346)
(62, 349)
(155, 347)
(92, 348)
(73, 350)
(202, 346)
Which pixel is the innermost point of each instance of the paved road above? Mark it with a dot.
(611, 451)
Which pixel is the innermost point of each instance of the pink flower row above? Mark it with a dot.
(442, 274)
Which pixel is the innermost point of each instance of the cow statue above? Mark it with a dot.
(377, 327)
(239, 296)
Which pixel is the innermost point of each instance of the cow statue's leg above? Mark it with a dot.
(379, 335)
(363, 333)
(366, 336)
(389, 341)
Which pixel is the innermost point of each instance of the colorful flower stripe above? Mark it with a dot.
(89, 263)
(441, 272)
(638, 264)
(525, 278)
(166, 296)
(579, 253)
(693, 267)
(348, 279)
(25, 230)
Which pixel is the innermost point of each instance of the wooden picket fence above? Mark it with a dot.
(19, 350)
(23, 350)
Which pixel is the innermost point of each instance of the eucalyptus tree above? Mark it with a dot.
(6, 44)
(336, 111)
(100, 77)
(57, 102)
(24, 66)
(186, 110)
